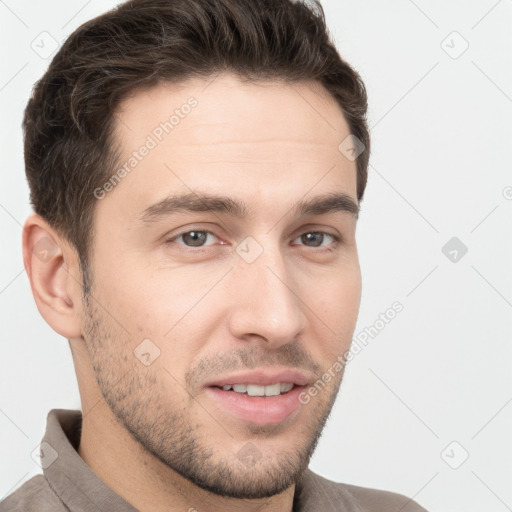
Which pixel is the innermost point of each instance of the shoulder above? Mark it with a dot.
(384, 501)
(34, 495)
(338, 496)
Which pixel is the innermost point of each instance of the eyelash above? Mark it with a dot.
(200, 249)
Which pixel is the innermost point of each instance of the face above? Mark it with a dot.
(226, 279)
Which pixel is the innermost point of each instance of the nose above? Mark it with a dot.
(266, 301)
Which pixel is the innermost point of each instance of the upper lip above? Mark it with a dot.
(265, 377)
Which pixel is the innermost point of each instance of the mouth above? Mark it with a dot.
(256, 390)
(260, 397)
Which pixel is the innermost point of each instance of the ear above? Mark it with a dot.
(52, 268)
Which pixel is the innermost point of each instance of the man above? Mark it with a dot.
(196, 170)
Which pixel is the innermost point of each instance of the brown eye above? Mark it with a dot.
(317, 239)
(192, 238)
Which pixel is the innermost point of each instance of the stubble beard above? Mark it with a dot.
(168, 433)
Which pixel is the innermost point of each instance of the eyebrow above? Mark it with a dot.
(202, 202)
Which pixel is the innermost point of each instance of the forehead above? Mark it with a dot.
(270, 139)
(227, 102)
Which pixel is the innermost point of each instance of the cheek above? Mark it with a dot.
(335, 304)
(135, 299)
(173, 306)
(338, 293)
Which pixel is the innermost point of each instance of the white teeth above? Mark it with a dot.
(286, 387)
(273, 390)
(256, 390)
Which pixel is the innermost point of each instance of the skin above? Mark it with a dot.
(151, 432)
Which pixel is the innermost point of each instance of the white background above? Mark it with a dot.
(440, 167)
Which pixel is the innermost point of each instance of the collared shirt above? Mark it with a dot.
(69, 484)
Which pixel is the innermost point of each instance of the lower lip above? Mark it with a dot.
(260, 410)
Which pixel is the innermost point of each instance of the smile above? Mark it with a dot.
(256, 390)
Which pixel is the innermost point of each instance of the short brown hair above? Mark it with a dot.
(69, 119)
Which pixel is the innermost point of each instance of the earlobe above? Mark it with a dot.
(51, 267)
